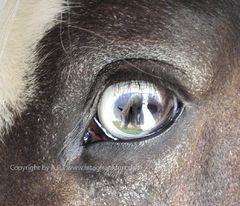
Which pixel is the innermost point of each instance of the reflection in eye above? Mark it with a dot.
(133, 110)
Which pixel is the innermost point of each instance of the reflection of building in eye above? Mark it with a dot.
(131, 112)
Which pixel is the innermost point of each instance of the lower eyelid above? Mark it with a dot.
(132, 152)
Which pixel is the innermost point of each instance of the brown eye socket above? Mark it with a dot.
(133, 110)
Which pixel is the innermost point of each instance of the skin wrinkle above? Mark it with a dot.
(155, 52)
(127, 53)
(193, 163)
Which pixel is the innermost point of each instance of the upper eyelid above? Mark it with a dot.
(161, 75)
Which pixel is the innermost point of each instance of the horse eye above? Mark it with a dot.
(134, 110)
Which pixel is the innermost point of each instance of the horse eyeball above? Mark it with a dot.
(135, 109)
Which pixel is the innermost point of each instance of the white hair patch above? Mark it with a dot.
(22, 24)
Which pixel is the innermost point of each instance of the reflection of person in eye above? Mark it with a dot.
(131, 111)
